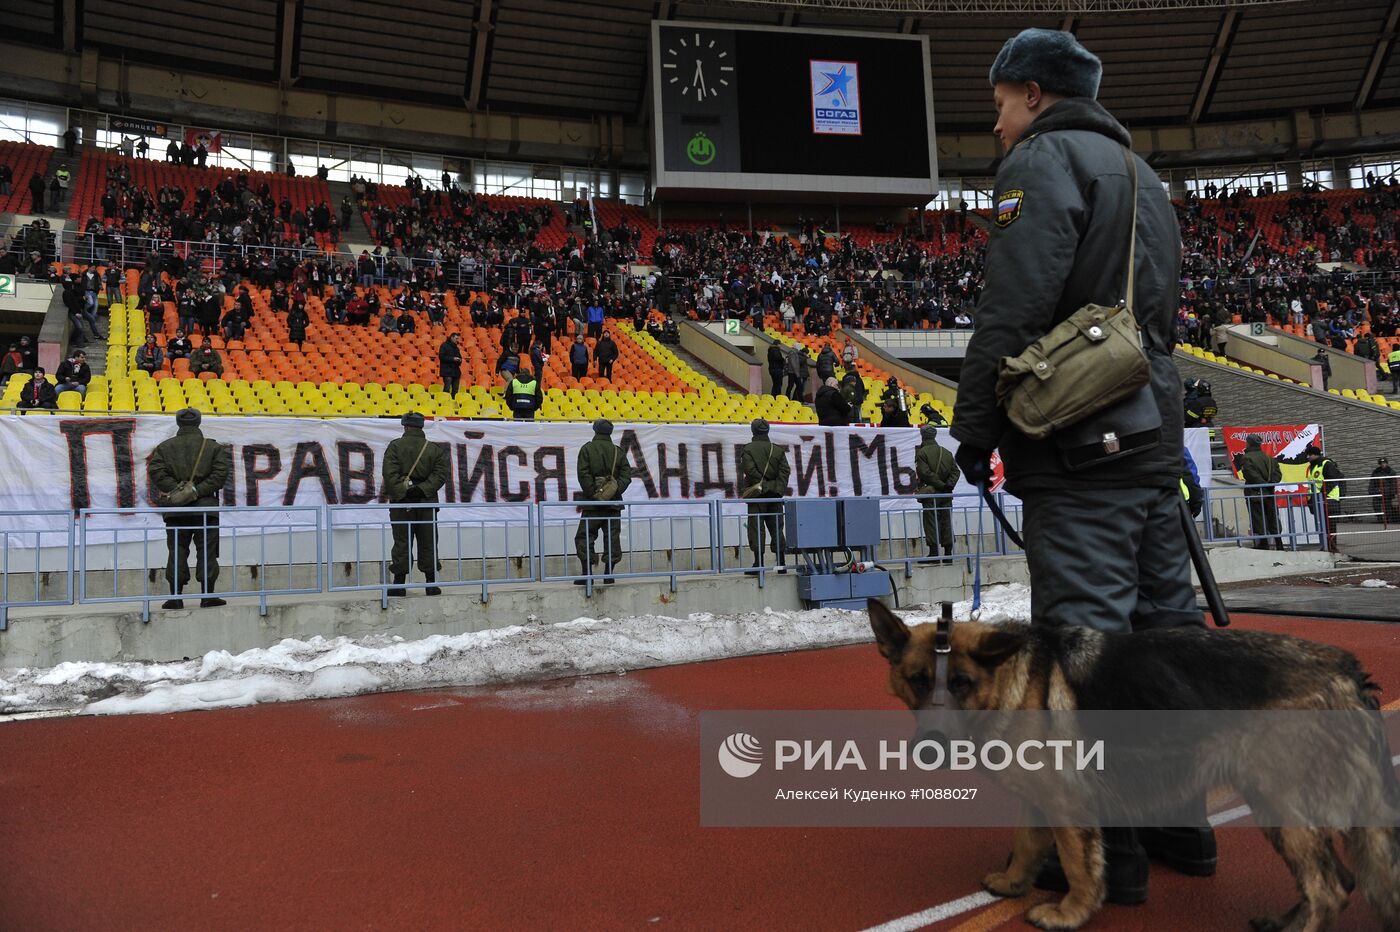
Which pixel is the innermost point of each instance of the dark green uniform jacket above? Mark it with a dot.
(1060, 241)
(596, 464)
(937, 471)
(425, 479)
(765, 464)
(173, 462)
(1259, 468)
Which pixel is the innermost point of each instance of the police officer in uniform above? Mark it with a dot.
(1324, 476)
(1198, 404)
(1104, 544)
(1392, 360)
(938, 475)
(603, 475)
(524, 395)
(190, 457)
(414, 469)
(763, 473)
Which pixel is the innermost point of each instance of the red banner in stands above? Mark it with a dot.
(212, 139)
(1282, 442)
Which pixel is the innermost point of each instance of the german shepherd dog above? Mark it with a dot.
(1016, 667)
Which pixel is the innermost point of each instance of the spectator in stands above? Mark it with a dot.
(172, 152)
(388, 321)
(833, 410)
(603, 476)
(206, 359)
(189, 471)
(36, 193)
(180, 347)
(450, 363)
(578, 358)
(798, 368)
(406, 323)
(29, 352)
(143, 148)
(187, 310)
(826, 363)
(235, 324)
(11, 363)
(7, 178)
(605, 354)
(777, 366)
(38, 393)
(74, 374)
(73, 303)
(297, 322)
(149, 357)
(595, 319)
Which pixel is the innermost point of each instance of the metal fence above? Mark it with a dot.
(274, 551)
(279, 555)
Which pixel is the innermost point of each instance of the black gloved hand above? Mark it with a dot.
(975, 463)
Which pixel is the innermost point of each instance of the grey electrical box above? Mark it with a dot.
(811, 524)
(824, 587)
(860, 522)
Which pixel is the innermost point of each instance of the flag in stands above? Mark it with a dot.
(210, 137)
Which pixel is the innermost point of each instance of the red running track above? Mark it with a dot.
(569, 804)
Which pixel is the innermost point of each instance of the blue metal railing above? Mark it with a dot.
(23, 567)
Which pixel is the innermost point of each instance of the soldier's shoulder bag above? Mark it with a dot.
(1092, 363)
(607, 489)
(756, 489)
(185, 493)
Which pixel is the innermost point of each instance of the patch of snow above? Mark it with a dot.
(1375, 584)
(322, 668)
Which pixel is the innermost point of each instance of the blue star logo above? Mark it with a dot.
(836, 83)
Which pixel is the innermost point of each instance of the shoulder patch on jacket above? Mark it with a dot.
(1009, 206)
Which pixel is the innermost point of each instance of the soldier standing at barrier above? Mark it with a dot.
(603, 475)
(1258, 469)
(189, 470)
(763, 473)
(414, 469)
(938, 475)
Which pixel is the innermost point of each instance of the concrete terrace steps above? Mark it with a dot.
(356, 232)
(1355, 432)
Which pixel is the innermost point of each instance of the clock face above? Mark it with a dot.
(697, 65)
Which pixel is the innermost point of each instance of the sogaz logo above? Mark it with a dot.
(700, 149)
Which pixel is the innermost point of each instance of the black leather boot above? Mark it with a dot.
(1125, 869)
(1187, 850)
(584, 570)
(173, 603)
(431, 590)
(397, 591)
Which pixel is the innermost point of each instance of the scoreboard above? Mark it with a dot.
(754, 110)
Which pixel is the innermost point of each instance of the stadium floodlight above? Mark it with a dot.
(1020, 7)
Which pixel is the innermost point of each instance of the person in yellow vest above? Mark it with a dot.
(1325, 477)
(524, 395)
(1393, 361)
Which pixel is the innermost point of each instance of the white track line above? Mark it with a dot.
(977, 900)
(936, 914)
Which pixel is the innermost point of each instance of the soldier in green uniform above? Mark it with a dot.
(414, 469)
(189, 471)
(604, 475)
(763, 473)
(938, 475)
(1258, 470)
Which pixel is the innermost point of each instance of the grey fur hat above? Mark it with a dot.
(1254, 440)
(603, 427)
(928, 433)
(760, 427)
(188, 417)
(1053, 59)
(412, 419)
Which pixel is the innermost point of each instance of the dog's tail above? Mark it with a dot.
(1375, 854)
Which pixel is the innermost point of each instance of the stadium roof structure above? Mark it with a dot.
(1165, 61)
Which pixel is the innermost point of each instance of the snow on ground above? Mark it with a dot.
(322, 668)
(1375, 584)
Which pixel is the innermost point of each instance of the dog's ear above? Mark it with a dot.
(891, 634)
(996, 646)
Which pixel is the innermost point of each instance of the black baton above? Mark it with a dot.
(1204, 573)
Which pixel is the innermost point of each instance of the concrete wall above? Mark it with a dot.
(722, 355)
(1291, 357)
(43, 637)
(1355, 432)
(909, 376)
